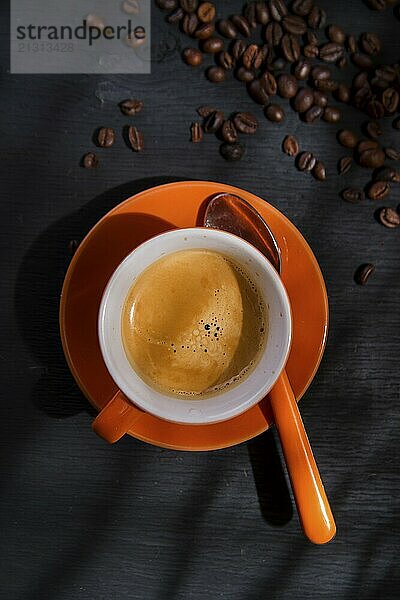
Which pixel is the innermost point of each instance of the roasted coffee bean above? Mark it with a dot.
(326, 85)
(214, 122)
(290, 47)
(135, 41)
(389, 218)
(396, 123)
(238, 49)
(387, 174)
(290, 145)
(311, 38)
(206, 12)
(273, 34)
(387, 73)
(131, 107)
(313, 114)
(392, 153)
(205, 31)
(347, 138)
(277, 65)
(229, 132)
(378, 190)
(341, 63)
(332, 114)
(336, 34)
(360, 80)
(257, 92)
(90, 160)
(320, 99)
(302, 69)
(242, 25)
(331, 52)
(363, 272)
(303, 100)
(205, 111)
(311, 51)
(362, 97)
(244, 75)
(189, 6)
(269, 83)
(390, 100)
(73, 247)
(260, 57)
(376, 4)
(225, 60)
(106, 137)
(250, 14)
(370, 43)
(362, 61)
(192, 57)
(294, 24)
(353, 195)
(345, 164)
(367, 145)
(375, 109)
(176, 16)
(245, 122)
(382, 83)
(378, 83)
(287, 85)
(302, 7)
(351, 44)
(227, 29)
(319, 72)
(136, 139)
(190, 23)
(343, 93)
(262, 13)
(361, 94)
(250, 57)
(306, 161)
(373, 129)
(274, 113)
(232, 152)
(372, 158)
(196, 133)
(213, 45)
(216, 74)
(319, 171)
(277, 9)
(316, 18)
(167, 4)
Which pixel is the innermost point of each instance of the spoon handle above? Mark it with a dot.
(312, 503)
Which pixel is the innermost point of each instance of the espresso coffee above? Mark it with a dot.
(193, 323)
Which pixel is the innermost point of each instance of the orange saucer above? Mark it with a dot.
(152, 212)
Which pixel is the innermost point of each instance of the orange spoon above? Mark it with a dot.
(233, 214)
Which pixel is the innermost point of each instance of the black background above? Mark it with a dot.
(80, 519)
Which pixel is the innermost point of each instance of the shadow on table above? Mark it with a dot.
(37, 297)
(272, 489)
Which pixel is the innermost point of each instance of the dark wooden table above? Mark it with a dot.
(80, 519)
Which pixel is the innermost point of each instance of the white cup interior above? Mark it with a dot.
(232, 401)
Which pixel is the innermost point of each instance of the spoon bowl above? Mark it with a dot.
(234, 215)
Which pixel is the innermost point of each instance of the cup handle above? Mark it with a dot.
(116, 418)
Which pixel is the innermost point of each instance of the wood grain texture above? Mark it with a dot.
(80, 519)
